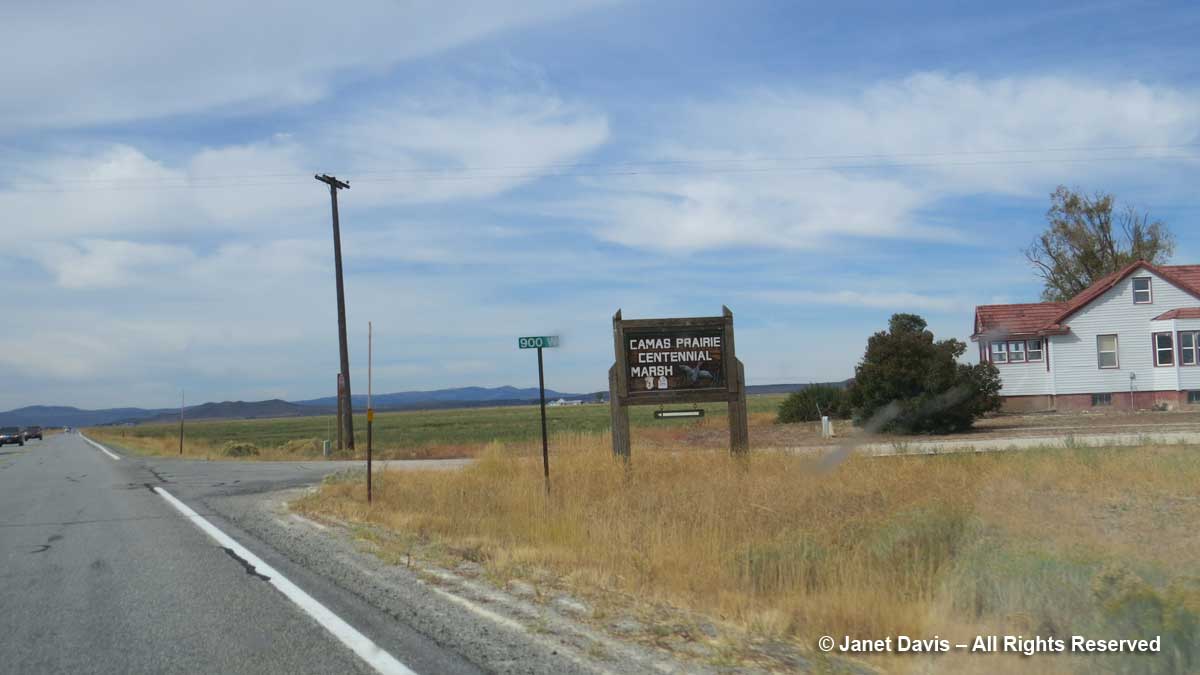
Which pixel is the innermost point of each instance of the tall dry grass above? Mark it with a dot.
(168, 446)
(949, 544)
(769, 542)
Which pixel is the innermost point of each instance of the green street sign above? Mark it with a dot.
(537, 341)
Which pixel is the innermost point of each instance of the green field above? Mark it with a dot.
(460, 427)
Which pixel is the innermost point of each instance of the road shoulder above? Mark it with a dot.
(497, 631)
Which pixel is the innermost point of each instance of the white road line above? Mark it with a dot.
(101, 448)
(358, 643)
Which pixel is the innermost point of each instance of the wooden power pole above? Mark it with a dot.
(335, 185)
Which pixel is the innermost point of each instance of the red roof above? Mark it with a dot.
(1182, 313)
(1044, 318)
(1026, 319)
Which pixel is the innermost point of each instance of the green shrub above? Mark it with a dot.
(909, 383)
(803, 405)
(1135, 608)
(238, 449)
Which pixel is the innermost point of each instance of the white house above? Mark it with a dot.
(1130, 340)
(563, 401)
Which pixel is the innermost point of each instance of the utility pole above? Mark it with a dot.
(181, 422)
(335, 185)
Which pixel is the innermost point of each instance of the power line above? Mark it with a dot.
(663, 162)
(662, 167)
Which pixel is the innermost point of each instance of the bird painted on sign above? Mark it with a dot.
(696, 377)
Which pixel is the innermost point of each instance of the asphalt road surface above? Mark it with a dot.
(101, 573)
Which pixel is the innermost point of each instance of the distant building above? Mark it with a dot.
(1131, 340)
(563, 401)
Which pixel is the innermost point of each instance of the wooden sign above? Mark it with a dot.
(673, 359)
(680, 360)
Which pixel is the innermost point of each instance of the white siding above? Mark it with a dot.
(1025, 379)
(1189, 376)
(1075, 367)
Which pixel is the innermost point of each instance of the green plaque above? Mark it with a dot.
(537, 341)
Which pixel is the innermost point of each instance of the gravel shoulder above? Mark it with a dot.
(458, 614)
(505, 630)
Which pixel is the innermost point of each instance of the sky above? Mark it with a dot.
(529, 168)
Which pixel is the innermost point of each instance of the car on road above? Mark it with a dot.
(10, 435)
(32, 433)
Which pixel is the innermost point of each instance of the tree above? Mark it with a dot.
(813, 401)
(1081, 244)
(909, 383)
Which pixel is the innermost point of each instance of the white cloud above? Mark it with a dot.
(115, 190)
(104, 263)
(266, 187)
(899, 301)
(703, 212)
(88, 63)
(798, 169)
(462, 143)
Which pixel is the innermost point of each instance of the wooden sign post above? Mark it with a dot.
(666, 361)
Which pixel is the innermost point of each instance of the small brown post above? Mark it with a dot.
(620, 418)
(739, 432)
(341, 410)
(181, 422)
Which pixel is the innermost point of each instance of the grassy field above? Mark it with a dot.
(1096, 542)
(415, 434)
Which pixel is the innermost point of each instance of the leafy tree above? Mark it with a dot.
(1082, 242)
(909, 383)
(808, 404)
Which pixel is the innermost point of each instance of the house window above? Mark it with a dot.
(1164, 349)
(1188, 341)
(1141, 291)
(1106, 351)
(1033, 350)
(1194, 397)
(998, 353)
(1101, 399)
(1016, 352)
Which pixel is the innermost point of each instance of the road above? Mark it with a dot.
(102, 573)
(1000, 443)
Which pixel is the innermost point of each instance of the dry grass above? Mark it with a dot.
(168, 446)
(953, 545)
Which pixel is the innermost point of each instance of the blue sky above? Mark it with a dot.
(524, 168)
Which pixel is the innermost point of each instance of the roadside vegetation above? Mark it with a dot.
(420, 434)
(813, 402)
(906, 383)
(778, 549)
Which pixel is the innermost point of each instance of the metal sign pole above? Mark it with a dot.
(538, 342)
(545, 443)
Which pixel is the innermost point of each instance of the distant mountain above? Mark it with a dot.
(462, 397)
(237, 410)
(65, 416)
